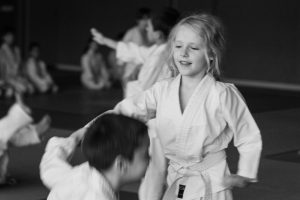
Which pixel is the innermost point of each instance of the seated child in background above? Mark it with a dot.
(116, 149)
(95, 75)
(17, 129)
(36, 71)
(10, 61)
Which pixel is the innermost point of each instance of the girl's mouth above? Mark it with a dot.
(185, 63)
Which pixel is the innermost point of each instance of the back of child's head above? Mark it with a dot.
(112, 135)
(165, 19)
(211, 30)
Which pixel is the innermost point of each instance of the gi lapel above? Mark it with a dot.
(194, 106)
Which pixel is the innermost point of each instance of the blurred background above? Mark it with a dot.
(262, 36)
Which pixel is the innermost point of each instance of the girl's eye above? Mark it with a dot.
(177, 46)
(194, 48)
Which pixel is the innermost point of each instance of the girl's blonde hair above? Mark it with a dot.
(211, 30)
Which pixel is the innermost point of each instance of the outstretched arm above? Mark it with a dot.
(101, 39)
(54, 166)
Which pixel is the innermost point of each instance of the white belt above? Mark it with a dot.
(195, 170)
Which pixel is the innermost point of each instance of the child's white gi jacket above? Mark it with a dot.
(153, 61)
(194, 141)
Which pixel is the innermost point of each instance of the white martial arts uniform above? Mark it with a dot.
(94, 72)
(37, 73)
(153, 60)
(81, 182)
(11, 58)
(15, 128)
(194, 141)
(133, 35)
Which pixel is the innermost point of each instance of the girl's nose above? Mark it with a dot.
(184, 52)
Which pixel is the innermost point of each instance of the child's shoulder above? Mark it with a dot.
(226, 89)
(223, 86)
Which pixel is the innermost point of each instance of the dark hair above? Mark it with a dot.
(165, 20)
(88, 44)
(109, 136)
(33, 45)
(143, 13)
(8, 30)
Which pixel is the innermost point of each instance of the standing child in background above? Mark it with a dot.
(136, 35)
(196, 118)
(94, 72)
(152, 59)
(116, 149)
(17, 129)
(36, 71)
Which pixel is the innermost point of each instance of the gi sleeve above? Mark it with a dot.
(141, 106)
(247, 136)
(130, 52)
(154, 183)
(54, 166)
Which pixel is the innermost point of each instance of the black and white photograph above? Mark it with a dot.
(150, 100)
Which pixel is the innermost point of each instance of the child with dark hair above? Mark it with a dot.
(36, 71)
(153, 58)
(94, 71)
(116, 150)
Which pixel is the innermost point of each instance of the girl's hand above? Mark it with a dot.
(78, 135)
(97, 36)
(234, 180)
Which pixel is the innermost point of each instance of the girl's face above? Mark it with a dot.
(189, 52)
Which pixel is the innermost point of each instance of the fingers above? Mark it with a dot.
(94, 31)
(97, 36)
(235, 181)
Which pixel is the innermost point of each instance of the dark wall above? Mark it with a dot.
(262, 36)
(63, 26)
(43, 27)
(263, 39)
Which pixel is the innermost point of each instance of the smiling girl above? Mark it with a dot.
(196, 118)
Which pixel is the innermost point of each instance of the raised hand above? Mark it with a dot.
(100, 39)
(97, 36)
